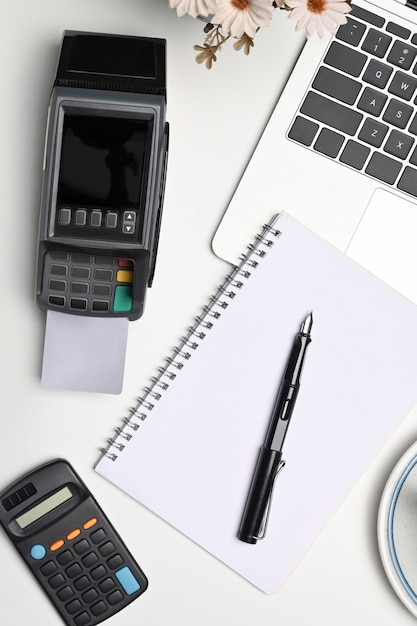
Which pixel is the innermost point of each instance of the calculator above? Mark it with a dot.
(103, 178)
(70, 545)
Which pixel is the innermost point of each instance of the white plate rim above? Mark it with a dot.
(386, 511)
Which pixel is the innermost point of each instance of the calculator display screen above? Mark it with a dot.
(102, 161)
(45, 507)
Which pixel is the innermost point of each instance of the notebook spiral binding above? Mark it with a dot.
(190, 342)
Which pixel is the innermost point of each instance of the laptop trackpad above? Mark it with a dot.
(385, 242)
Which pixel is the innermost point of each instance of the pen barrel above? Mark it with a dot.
(281, 415)
(287, 394)
(296, 359)
(255, 514)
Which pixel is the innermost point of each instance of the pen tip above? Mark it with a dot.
(307, 324)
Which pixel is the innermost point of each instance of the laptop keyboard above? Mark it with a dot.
(361, 106)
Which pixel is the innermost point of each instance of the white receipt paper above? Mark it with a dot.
(84, 353)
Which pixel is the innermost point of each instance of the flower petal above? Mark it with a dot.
(192, 7)
(237, 21)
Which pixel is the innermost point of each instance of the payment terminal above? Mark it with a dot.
(103, 176)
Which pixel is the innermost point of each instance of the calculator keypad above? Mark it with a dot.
(90, 285)
(87, 572)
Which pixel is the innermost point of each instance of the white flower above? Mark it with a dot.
(192, 7)
(318, 16)
(242, 16)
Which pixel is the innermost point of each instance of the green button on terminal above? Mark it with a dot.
(122, 298)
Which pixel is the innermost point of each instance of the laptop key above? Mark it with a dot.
(376, 43)
(377, 74)
(398, 31)
(355, 154)
(413, 126)
(329, 143)
(398, 144)
(402, 55)
(413, 157)
(303, 131)
(384, 168)
(336, 85)
(373, 132)
(351, 32)
(408, 181)
(367, 16)
(331, 113)
(345, 59)
(403, 85)
(372, 101)
(397, 113)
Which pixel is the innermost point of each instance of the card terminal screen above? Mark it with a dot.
(102, 161)
(43, 508)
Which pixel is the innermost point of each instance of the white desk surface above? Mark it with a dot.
(215, 117)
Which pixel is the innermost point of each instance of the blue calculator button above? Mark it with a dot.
(127, 580)
(38, 552)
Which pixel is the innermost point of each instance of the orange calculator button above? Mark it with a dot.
(90, 523)
(56, 545)
(74, 533)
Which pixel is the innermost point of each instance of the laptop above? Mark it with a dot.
(341, 143)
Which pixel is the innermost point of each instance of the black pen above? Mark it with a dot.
(270, 462)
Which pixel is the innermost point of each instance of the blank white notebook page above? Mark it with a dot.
(192, 457)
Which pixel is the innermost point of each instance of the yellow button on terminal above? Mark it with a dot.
(124, 276)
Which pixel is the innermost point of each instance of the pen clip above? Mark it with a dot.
(264, 523)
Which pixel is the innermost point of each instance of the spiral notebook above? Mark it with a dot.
(188, 450)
